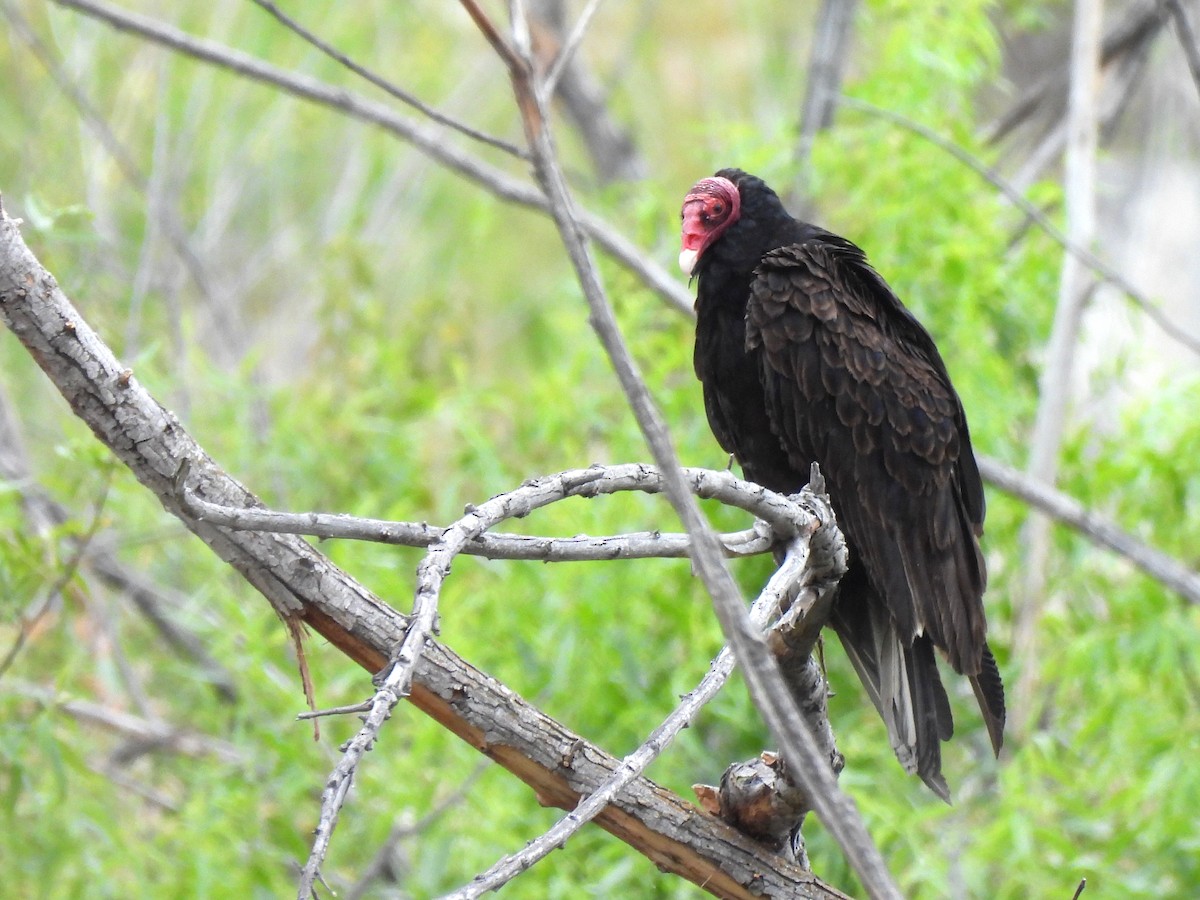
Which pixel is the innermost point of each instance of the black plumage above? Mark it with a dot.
(805, 354)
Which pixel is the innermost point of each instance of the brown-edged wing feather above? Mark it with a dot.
(852, 381)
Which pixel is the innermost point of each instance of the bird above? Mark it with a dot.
(805, 354)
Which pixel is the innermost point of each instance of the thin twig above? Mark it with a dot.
(567, 50)
(388, 87)
(521, 40)
(397, 677)
(583, 96)
(337, 786)
(365, 706)
(429, 141)
(1089, 259)
(484, 23)
(395, 686)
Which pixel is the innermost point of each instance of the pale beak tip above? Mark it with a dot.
(687, 260)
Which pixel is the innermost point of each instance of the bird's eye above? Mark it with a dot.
(718, 208)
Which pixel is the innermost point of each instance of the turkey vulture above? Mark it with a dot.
(805, 354)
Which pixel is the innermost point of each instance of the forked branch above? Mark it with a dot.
(767, 687)
(305, 587)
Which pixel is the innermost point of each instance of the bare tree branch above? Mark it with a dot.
(777, 512)
(431, 573)
(1172, 573)
(395, 682)
(568, 47)
(1074, 249)
(795, 573)
(388, 87)
(350, 710)
(304, 586)
(653, 544)
(429, 141)
(1055, 383)
(767, 688)
(789, 521)
(612, 150)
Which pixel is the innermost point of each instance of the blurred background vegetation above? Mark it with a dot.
(362, 331)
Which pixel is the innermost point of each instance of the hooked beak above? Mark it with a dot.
(695, 236)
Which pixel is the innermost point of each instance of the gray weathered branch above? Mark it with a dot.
(837, 811)
(1166, 569)
(430, 141)
(305, 588)
(813, 564)
(777, 514)
(394, 684)
(388, 87)
(614, 154)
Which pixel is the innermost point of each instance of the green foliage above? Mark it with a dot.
(382, 338)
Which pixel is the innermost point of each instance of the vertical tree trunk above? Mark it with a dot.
(1075, 285)
(830, 50)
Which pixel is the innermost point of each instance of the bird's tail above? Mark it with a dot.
(989, 692)
(902, 680)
